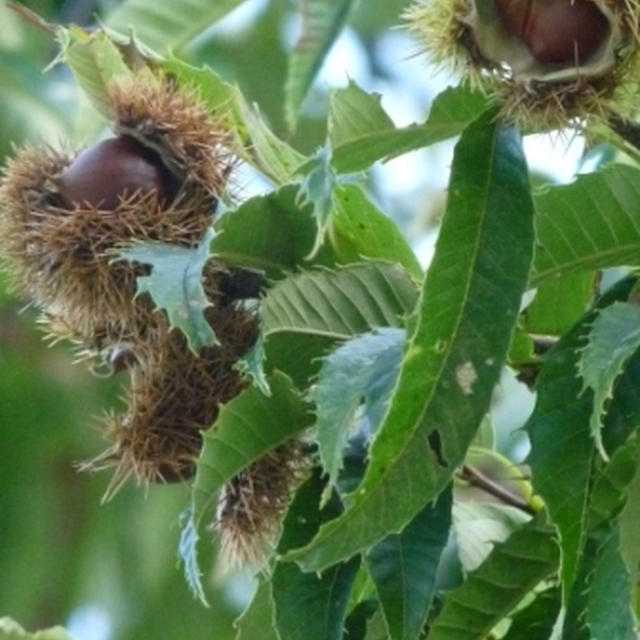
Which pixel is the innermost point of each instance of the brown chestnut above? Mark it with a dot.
(102, 175)
(558, 32)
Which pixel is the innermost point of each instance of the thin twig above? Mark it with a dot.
(478, 479)
(32, 17)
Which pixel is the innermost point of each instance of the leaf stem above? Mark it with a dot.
(476, 478)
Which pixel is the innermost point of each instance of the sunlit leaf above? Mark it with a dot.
(95, 61)
(358, 143)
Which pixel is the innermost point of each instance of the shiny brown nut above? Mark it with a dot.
(558, 32)
(112, 170)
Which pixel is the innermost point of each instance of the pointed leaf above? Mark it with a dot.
(167, 25)
(175, 284)
(354, 113)
(561, 449)
(456, 353)
(322, 21)
(247, 428)
(95, 61)
(589, 224)
(349, 375)
(404, 566)
(339, 304)
(496, 587)
(613, 339)
(308, 605)
(358, 144)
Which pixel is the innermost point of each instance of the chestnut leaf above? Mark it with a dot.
(456, 352)
(592, 223)
(175, 285)
(562, 451)
(613, 339)
(361, 132)
(510, 572)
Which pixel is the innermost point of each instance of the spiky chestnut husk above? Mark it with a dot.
(253, 503)
(172, 397)
(57, 232)
(471, 38)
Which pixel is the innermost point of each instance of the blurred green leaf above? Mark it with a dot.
(175, 284)
(613, 339)
(322, 21)
(167, 26)
(456, 353)
(592, 223)
(354, 113)
(351, 374)
(10, 630)
(362, 142)
(404, 567)
(496, 587)
(309, 605)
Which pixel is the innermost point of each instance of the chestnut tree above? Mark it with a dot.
(325, 399)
